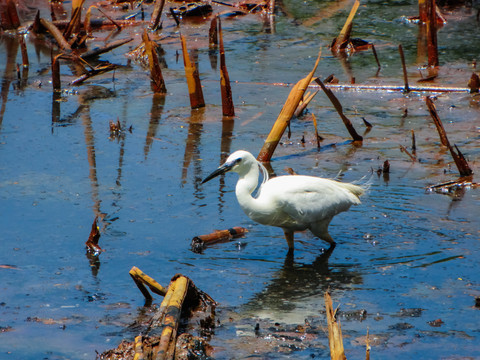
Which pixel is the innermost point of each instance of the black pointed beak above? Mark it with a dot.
(221, 170)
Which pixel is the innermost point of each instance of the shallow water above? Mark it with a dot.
(405, 256)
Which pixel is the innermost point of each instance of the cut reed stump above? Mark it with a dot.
(157, 83)
(193, 78)
(225, 87)
(9, 19)
(294, 98)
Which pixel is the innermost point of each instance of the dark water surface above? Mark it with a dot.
(405, 256)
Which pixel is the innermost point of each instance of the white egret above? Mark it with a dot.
(292, 202)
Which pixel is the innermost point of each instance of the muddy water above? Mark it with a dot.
(404, 258)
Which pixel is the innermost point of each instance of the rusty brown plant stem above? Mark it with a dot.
(225, 87)
(193, 78)
(9, 19)
(348, 124)
(404, 68)
(23, 47)
(432, 49)
(56, 83)
(460, 161)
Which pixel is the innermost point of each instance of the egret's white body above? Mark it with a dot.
(292, 202)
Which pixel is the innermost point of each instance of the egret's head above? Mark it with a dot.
(236, 162)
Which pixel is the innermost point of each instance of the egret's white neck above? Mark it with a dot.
(246, 185)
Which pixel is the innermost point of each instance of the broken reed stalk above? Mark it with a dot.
(193, 78)
(156, 15)
(213, 33)
(140, 278)
(157, 82)
(432, 48)
(9, 19)
(422, 11)
(348, 124)
(460, 161)
(57, 35)
(304, 103)
(225, 87)
(343, 38)
(404, 68)
(404, 149)
(317, 137)
(56, 83)
(74, 23)
(335, 340)
(376, 57)
(296, 94)
(23, 47)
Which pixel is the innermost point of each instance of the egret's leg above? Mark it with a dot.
(289, 238)
(321, 230)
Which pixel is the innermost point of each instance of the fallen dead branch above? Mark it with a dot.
(162, 339)
(200, 242)
(296, 94)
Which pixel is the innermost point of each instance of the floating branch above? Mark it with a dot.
(225, 88)
(348, 124)
(193, 79)
(296, 94)
(92, 242)
(199, 243)
(157, 14)
(462, 164)
(335, 340)
(157, 83)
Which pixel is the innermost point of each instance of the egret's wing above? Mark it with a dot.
(308, 199)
